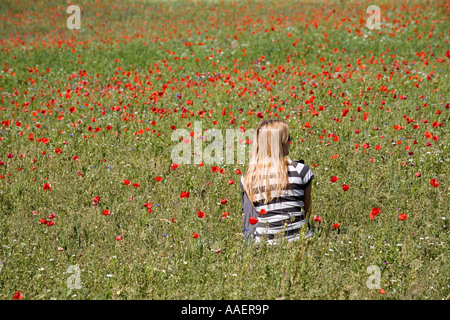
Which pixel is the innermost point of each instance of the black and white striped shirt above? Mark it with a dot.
(284, 215)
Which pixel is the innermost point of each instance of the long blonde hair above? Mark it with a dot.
(268, 161)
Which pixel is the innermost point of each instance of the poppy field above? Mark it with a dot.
(92, 205)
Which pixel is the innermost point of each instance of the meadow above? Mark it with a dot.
(93, 207)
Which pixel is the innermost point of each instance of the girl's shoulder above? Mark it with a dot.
(296, 164)
(293, 162)
(299, 166)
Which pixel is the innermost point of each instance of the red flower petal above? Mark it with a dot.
(375, 211)
(200, 214)
(47, 187)
(434, 183)
(17, 296)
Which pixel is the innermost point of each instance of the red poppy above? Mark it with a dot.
(224, 215)
(47, 186)
(334, 179)
(375, 211)
(336, 225)
(345, 187)
(230, 182)
(317, 218)
(50, 223)
(17, 295)
(214, 169)
(136, 185)
(43, 221)
(149, 206)
(174, 166)
(51, 216)
(253, 220)
(184, 194)
(434, 183)
(262, 212)
(195, 235)
(223, 201)
(238, 171)
(95, 201)
(200, 214)
(126, 182)
(158, 178)
(381, 291)
(106, 212)
(402, 217)
(119, 237)
(58, 150)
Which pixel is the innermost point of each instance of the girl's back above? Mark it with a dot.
(283, 215)
(276, 191)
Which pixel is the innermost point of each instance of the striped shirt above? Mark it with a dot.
(284, 215)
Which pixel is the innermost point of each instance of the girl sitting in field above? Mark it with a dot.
(276, 191)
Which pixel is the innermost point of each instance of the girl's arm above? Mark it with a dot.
(247, 211)
(308, 201)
